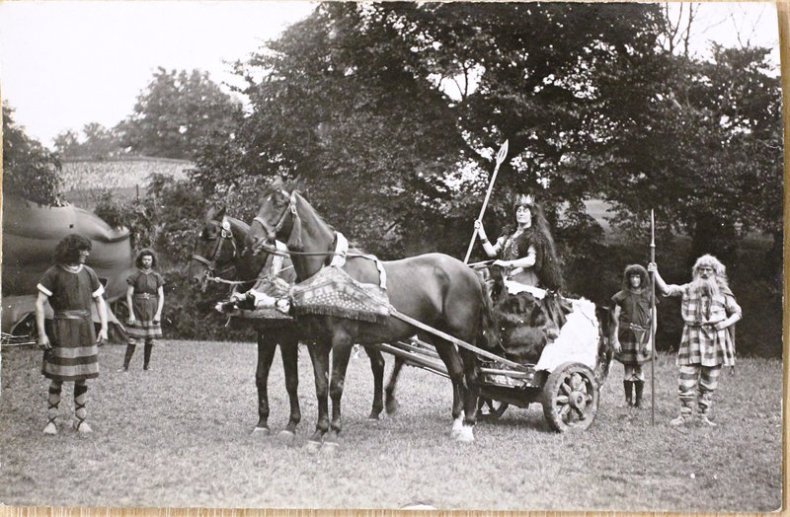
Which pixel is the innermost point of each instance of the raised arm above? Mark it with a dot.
(492, 250)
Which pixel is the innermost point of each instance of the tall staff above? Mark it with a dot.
(500, 157)
(652, 321)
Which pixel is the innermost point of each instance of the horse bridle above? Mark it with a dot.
(211, 264)
(291, 208)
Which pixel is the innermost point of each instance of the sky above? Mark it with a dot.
(67, 63)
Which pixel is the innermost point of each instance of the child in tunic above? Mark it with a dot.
(145, 298)
(69, 340)
(631, 331)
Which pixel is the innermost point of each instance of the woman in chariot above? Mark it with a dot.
(527, 253)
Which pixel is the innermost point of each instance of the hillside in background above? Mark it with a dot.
(84, 181)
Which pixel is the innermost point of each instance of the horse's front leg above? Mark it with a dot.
(455, 370)
(319, 356)
(266, 349)
(289, 349)
(472, 380)
(341, 352)
(377, 367)
(391, 401)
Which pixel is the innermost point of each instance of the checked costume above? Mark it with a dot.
(703, 348)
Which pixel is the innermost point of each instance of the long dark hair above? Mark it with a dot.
(68, 249)
(547, 263)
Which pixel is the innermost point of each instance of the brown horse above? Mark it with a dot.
(435, 289)
(224, 251)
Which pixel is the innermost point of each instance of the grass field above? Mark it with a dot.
(179, 436)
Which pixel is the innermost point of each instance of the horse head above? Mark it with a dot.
(216, 247)
(277, 215)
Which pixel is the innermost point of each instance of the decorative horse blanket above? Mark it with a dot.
(332, 292)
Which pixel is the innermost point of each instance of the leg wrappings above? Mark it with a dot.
(709, 381)
(687, 387)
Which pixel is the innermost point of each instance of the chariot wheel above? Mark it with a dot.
(495, 409)
(570, 397)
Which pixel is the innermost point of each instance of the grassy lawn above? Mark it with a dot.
(179, 436)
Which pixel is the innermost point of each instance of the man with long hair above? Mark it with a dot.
(69, 340)
(528, 252)
(708, 309)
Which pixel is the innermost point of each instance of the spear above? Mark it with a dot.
(652, 321)
(500, 157)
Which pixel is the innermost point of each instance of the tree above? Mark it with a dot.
(29, 169)
(176, 114)
(708, 142)
(97, 143)
(355, 99)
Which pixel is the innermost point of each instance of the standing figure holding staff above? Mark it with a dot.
(69, 341)
(709, 310)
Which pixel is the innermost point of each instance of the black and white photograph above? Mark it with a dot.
(392, 256)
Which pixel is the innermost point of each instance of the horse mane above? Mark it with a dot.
(238, 223)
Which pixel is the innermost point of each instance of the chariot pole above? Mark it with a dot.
(500, 157)
(652, 321)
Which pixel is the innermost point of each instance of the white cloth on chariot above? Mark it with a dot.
(578, 340)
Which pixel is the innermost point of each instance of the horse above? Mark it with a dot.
(223, 246)
(435, 289)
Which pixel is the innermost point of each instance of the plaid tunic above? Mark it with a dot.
(702, 343)
(633, 325)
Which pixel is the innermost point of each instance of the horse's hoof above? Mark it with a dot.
(329, 448)
(286, 436)
(374, 417)
(392, 406)
(458, 424)
(261, 431)
(313, 446)
(465, 435)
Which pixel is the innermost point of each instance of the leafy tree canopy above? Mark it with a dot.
(176, 114)
(96, 142)
(29, 169)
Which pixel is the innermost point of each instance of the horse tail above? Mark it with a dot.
(487, 331)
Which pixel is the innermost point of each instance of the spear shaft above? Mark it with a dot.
(652, 321)
(500, 157)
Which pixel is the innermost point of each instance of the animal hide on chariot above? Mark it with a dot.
(527, 323)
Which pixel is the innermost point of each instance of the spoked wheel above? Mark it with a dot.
(570, 397)
(495, 409)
